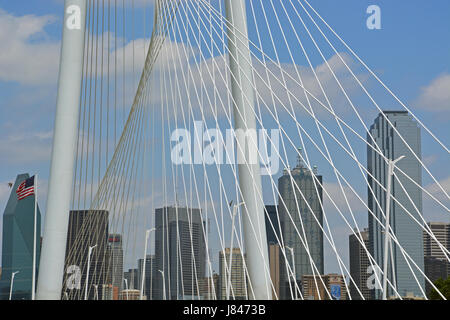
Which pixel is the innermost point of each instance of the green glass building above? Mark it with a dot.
(17, 245)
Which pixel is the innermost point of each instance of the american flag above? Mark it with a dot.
(25, 189)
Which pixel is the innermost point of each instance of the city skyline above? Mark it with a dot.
(189, 139)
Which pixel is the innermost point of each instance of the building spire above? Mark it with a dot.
(299, 158)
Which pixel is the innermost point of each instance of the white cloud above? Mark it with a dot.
(436, 96)
(30, 58)
(25, 149)
(429, 160)
(431, 209)
(194, 78)
(436, 191)
(335, 193)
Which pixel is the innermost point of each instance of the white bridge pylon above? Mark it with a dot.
(249, 174)
(51, 268)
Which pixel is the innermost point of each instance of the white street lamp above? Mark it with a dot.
(126, 288)
(235, 210)
(12, 284)
(147, 236)
(391, 167)
(87, 273)
(164, 284)
(293, 270)
(95, 291)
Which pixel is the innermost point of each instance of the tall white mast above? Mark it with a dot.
(51, 268)
(387, 237)
(33, 277)
(249, 173)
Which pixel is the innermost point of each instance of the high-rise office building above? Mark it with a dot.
(131, 279)
(17, 247)
(272, 224)
(236, 287)
(114, 259)
(431, 248)
(300, 192)
(359, 265)
(209, 287)
(434, 269)
(436, 262)
(180, 252)
(150, 273)
(273, 232)
(407, 231)
(86, 229)
(275, 265)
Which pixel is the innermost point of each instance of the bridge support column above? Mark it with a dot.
(247, 151)
(51, 268)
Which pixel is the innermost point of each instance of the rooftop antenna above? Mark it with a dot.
(299, 158)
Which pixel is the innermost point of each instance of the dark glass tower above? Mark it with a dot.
(115, 261)
(149, 274)
(17, 248)
(180, 252)
(86, 229)
(294, 211)
(272, 224)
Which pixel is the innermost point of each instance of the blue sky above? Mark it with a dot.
(411, 53)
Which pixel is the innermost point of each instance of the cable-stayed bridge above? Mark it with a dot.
(232, 146)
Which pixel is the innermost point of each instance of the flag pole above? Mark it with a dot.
(33, 283)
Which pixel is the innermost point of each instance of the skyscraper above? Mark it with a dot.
(436, 263)
(359, 265)
(296, 219)
(149, 273)
(131, 279)
(407, 231)
(237, 289)
(275, 265)
(17, 247)
(209, 287)
(273, 232)
(441, 231)
(180, 252)
(272, 224)
(86, 229)
(115, 262)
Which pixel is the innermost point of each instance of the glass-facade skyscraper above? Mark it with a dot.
(238, 285)
(149, 274)
(294, 212)
(272, 224)
(359, 265)
(407, 231)
(17, 245)
(180, 252)
(87, 228)
(115, 262)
